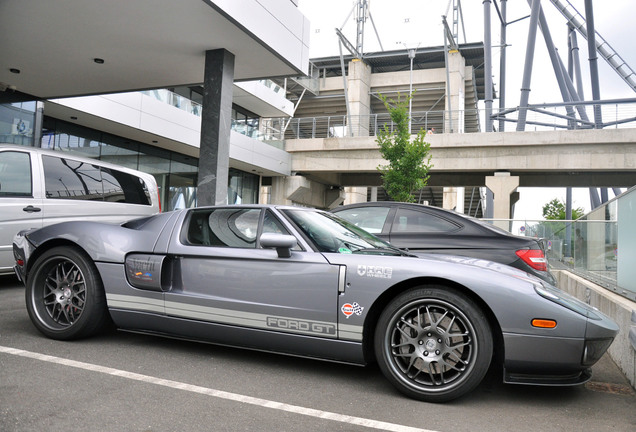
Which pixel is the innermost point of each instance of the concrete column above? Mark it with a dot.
(455, 110)
(358, 83)
(502, 185)
(264, 196)
(355, 195)
(298, 190)
(216, 122)
(453, 199)
(449, 198)
(374, 193)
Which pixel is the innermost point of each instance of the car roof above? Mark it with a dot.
(451, 214)
(76, 157)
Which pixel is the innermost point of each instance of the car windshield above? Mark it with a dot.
(332, 234)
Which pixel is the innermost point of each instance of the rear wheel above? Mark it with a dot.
(433, 344)
(65, 296)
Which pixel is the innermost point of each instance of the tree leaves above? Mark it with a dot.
(408, 160)
(555, 210)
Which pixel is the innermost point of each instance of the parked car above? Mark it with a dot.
(423, 228)
(305, 282)
(40, 187)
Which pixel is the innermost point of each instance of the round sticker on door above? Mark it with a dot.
(349, 309)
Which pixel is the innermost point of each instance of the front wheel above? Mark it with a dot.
(433, 344)
(65, 296)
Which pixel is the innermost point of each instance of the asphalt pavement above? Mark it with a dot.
(123, 381)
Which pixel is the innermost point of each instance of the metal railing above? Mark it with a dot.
(618, 113)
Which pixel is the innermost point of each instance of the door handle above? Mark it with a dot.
(31, 209)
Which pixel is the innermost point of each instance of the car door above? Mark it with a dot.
(223, 276)
(20, 204)
(421, 230)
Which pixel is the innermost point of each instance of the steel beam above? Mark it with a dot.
(527, 69)
(488, 66)
(591, 49)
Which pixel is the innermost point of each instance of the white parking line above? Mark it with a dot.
(326, 415)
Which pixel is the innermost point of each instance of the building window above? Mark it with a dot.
(16, 123)
(244, 122)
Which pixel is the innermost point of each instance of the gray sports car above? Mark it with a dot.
(305, 282)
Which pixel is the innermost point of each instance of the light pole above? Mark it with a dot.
(411, 57)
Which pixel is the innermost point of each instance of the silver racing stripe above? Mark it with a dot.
(119, 301)
(234, 317)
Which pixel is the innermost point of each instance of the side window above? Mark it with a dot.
(413, 221)
(70, 179)
(15, 174)
(123, 187)
(370, 219)
(271, 224)
(224, 227)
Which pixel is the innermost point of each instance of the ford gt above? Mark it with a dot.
(305, 282)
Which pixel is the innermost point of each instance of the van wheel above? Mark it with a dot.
(65, 295)
(433, 344)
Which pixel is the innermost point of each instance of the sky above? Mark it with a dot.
(403, 24)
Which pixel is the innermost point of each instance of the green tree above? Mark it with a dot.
(555, 210)
(552, 228)
(408, 160)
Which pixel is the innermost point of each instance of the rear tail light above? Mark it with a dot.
(159, 199)
(535, 258)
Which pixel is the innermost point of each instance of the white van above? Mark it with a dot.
(40, 187)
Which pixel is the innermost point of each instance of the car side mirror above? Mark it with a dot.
(283, 243)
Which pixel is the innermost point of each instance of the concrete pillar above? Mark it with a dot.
(216, 122)
(298, 190)
(454, 120)
(461, 199)
(355, 195)
(453, 199)
(449, 198)
(502, 185)
(374, 194)
(264, 196)
(358, 83)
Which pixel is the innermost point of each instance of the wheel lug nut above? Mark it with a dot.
(421, 342)
(439, 340)
(429, 335)
(437, 352)
(425, 353)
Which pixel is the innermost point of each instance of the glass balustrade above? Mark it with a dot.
(600, 246)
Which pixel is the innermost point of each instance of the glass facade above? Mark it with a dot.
(245, 122)
(176, 174)
(190, 99)
(17, 121)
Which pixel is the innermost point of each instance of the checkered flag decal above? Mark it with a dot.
(357, 309)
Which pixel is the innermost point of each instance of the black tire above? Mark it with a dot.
(433, 344)
(65, 295)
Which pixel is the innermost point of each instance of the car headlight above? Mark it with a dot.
(567, 301)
